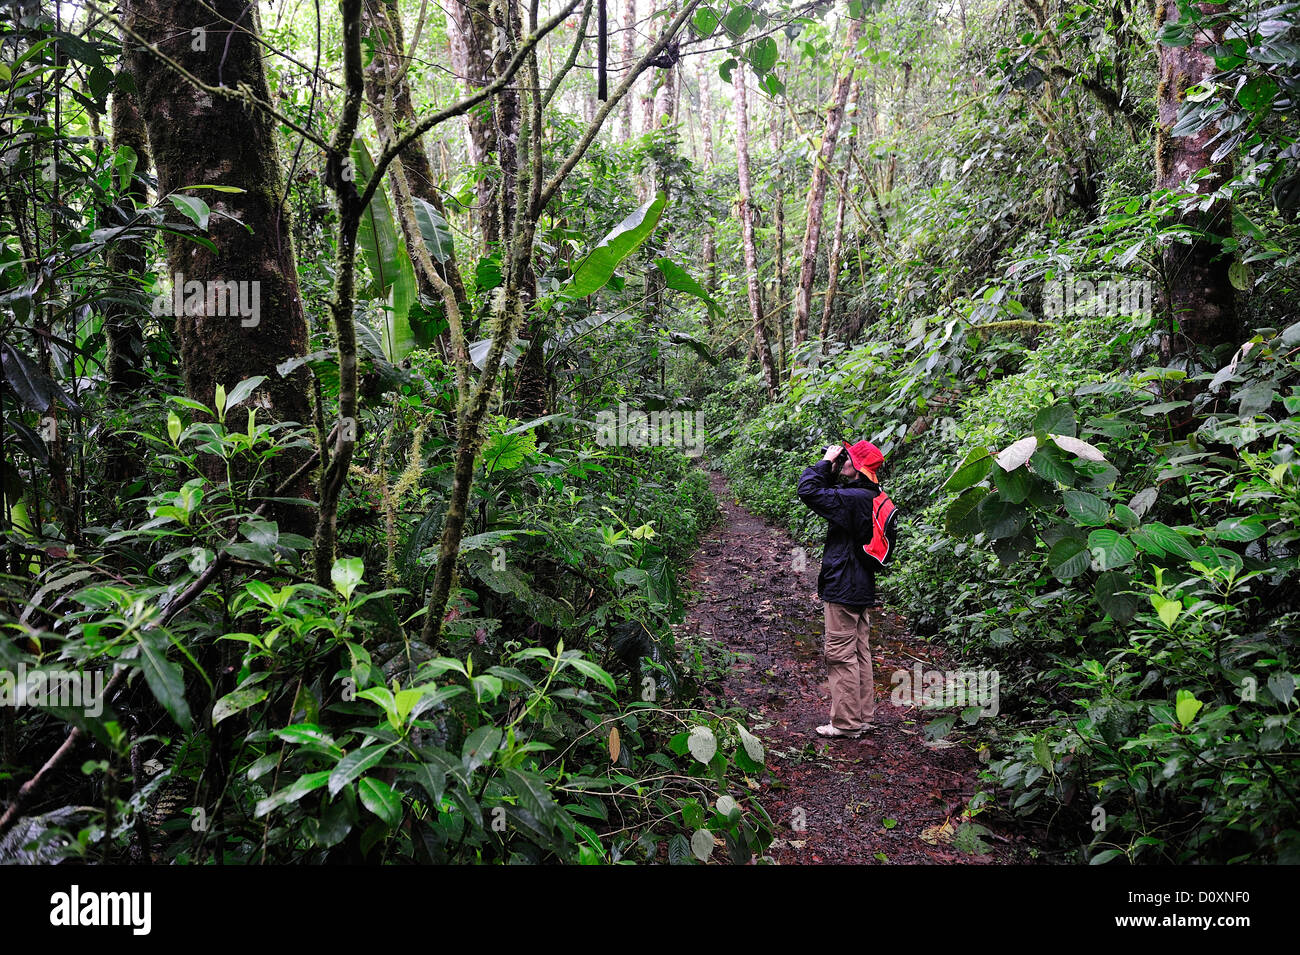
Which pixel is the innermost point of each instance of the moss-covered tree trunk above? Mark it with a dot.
(205, 137)
(1198, 291)
(474, 20)
(389, 95)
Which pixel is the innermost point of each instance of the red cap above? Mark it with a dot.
(865, 456)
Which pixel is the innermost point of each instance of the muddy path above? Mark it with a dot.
(891, 796)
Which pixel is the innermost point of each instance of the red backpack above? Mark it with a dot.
(884, 537)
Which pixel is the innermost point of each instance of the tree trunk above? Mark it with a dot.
(201, 137)
(747, 232)
(123, 322)
(1197, 288)
(629, 51)
(389, 95)
(778, 133)
(474, 21)
(706, 128)
(837, 240)
(817, 188)
(126, 259)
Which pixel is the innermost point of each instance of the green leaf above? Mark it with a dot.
(1168, 610)
(1187, 706)
(962, 517)
(704, 22)
(533, 795)
(300, 787)
(166, 679)
(377, 235)
(1055, 419)
(999, 518)
(679, 280)
(1013, 486)
(1068, 558)
(505, 452)
(1050, 462)
(379, 798)
(354, 764)
(598, 267)
(1087, 509)
(1158, 540)
(241, 391)
(1111, 593)
(237, 700)
(1240, 529)
(973, 470)
(480, 746)
(347, 574)
(435, 230)
(592, 671)
(1110, 548)
(194, 208)
(763, 54)
(738, 21)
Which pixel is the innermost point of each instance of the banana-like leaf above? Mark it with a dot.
(679, 280)
(386, 256)
(598, 267)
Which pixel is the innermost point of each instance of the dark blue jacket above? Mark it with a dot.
(845, 577)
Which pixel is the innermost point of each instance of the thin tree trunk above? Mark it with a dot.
(817, 188)
(127, 257)
(841, 204)
(706, 127)
(1197, 288)
(629, 51)
(747, 232)
(778, 131)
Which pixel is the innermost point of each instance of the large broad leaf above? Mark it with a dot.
(962, 517)
(1110, 548)
(1055, 419)
(166, 679)
(436, 231)
(1068, 558)
(999, 518)
(505, 452)
(377, 235)
(1014, 455)
(972, 471)
(679, 280)
(386, 256)
(598, 267)
(1112, 595)
(1050, 462)
(1087, 509)
(1013, 486)
(1159, 540)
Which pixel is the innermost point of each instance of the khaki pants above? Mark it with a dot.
(848, 658)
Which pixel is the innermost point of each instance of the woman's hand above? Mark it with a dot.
(833, 451)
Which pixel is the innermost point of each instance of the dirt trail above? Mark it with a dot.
(887, 797)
